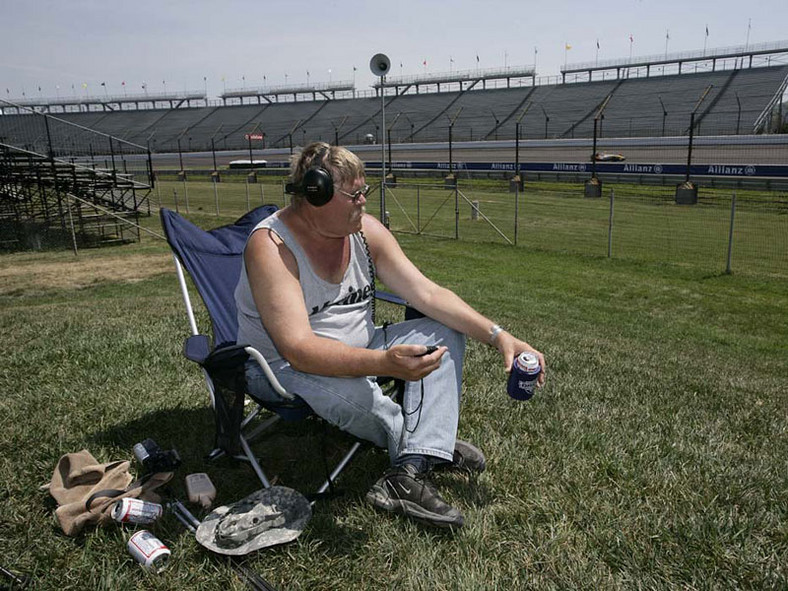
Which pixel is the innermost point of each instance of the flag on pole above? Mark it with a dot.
(707, 30)
(631, 39)
(597, 43)
(477, 58)
(123, 83)
(425, 63)
(84, 85)
(567, 47)
(103, 84)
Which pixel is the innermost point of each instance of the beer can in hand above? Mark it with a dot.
(523, 377)
(149, 551)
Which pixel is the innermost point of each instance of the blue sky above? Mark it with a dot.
(174, 45)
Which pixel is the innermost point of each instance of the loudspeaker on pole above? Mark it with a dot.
(380, 64)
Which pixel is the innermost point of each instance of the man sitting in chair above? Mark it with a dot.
(305, 301)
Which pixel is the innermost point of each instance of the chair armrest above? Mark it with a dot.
(390, 297)
(258, 357)
(410, 313)
(197, 348)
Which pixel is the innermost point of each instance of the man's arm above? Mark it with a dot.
(404, 278)
(274, 280)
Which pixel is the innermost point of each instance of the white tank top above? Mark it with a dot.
(340, 311)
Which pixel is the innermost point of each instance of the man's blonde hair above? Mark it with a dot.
(344, 166)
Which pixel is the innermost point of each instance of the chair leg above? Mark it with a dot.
(339, 467)
(251, 436)
(255, 464)
(273, 419)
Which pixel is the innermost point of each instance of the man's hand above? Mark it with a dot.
(409, 362)
(510, 347)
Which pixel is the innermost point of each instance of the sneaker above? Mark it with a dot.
(467, 457)
(405, 491)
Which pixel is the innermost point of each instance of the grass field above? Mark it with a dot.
(647, 225)
(654, 458)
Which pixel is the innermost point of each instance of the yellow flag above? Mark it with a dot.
(568, 46)
(84, 85)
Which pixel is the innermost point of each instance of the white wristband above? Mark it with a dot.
(495, 330)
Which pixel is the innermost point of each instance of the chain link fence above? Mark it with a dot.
(726, 231)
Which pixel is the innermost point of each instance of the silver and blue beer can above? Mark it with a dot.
(522, 379)
(136, 511)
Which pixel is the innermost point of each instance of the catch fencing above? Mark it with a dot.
(743, 232)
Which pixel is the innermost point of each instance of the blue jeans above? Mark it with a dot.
(424, 424)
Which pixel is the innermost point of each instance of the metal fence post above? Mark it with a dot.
(247, 194)
(216, 196)
(610, 225)
(516, 209)
(456, 211)
(730, 235)
(418, 209)
(186, 194)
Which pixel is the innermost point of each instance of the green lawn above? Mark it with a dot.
(647, 225)
(654, 458)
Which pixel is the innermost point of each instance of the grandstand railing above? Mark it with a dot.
(459, 76)
(108, 100)
(696, 55)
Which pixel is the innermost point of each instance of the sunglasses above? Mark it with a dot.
(356, 195)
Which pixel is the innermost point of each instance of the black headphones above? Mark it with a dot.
(317, 185)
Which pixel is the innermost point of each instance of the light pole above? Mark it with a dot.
(379, 65)
(517, 178)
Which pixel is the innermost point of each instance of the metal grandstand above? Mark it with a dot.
(746, 97)
(62, 183)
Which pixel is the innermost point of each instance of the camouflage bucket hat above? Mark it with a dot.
(268, 517)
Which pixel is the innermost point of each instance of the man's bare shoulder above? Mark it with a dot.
(374, 231)
(267, 247)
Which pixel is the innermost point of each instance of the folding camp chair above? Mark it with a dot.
(213, 260)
